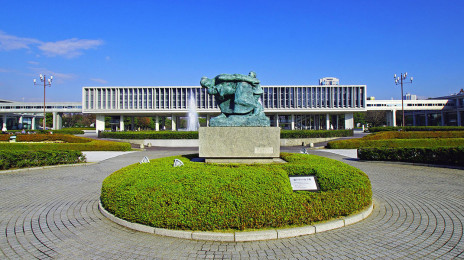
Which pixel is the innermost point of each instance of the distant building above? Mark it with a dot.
(410, 97)
(329, 81)
(370, 98)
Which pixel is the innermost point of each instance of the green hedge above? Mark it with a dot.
(395, 143)
(150, 135)
(194, 134)
(415, 128)
(438, 155)
(315, 133)
(31, 142)
(68, 131)
(21, 159)
(200, 196)
(414, 135)
(395, 139)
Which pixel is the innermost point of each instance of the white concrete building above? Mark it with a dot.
(290, 107)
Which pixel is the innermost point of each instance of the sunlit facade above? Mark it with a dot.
(290, 107)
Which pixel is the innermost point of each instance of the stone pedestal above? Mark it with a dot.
(239, 144)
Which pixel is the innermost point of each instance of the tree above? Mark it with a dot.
(376, 118)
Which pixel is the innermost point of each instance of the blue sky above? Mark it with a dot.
(164, 43)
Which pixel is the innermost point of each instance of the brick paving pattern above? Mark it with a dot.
(53, 213)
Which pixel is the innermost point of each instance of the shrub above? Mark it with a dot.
(395, 143)
(315, 133)
(194, 134)
(415, 128)
(199, 196)
(71, 143)
(432, 155)
(21, 159)
(150, 135)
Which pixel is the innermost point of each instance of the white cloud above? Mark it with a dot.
(101, 81)
(4, 70)
(33, 62)
(11, 42)
(69, 48)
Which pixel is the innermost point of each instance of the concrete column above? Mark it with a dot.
(349, 121)
(173, 123)
(33, 126)
(277, 120)
(157, 125)
(442, 118)
(413, 118)
(208, 117)
(394, 117)
(132, 123)
(426, 119)
(4, 124)
(57, 121)
(54, 120)
(337, 122)
(458, 115)
(292, 125)
(100, 124)
(20, 122)
(121, 123)
(327, 122)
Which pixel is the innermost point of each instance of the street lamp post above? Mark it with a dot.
(46, 82)
(399, 80)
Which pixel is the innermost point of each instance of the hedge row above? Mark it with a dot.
(199, 196)
(395, 143)
(315, 133)
(414, 135)
(437, 155)
(71, 143)
(194, 135)
(46, 137)
(415, 128)
(20, 159)
(150, 135)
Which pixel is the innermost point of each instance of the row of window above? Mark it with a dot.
(40, 107)
(178, 97)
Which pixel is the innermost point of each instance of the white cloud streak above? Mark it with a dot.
(68, 48)
(101, 81)
(11, 42)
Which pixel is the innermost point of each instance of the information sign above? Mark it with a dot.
(304, 182)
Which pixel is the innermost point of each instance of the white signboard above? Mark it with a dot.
(307, 182)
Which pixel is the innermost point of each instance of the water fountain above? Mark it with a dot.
(192, 122)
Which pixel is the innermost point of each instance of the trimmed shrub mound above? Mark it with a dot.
(199, 196)
(26, 142)
(439, 155)
(21, 159)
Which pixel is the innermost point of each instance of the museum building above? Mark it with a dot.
(324, 106)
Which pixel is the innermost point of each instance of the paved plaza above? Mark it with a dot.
(53, 213)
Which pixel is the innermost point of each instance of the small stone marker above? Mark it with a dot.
(304, 182)
(177, 163)
(304, 151)
(13, 139)
(149, 145)
(145, 160)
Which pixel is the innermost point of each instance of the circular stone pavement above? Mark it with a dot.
(53, 213)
